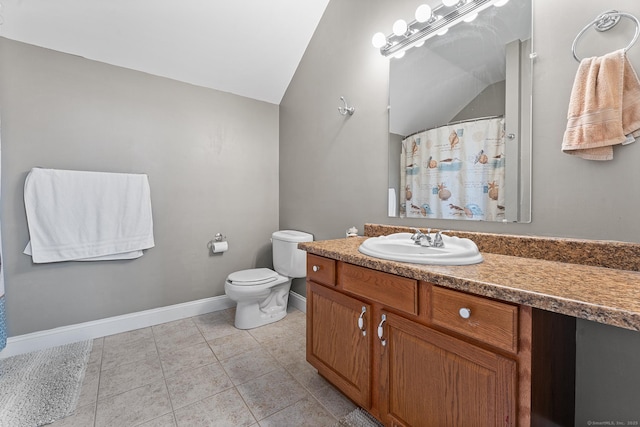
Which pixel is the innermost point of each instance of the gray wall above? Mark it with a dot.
(212, 161)
(333, 169)
(489, 102)
(571, 197)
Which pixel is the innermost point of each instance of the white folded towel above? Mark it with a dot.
(87, 216)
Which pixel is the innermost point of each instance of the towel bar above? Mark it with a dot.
(604, 22)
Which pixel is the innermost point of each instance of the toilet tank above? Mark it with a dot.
(288, 260)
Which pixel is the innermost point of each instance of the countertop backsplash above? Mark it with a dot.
(597, 253)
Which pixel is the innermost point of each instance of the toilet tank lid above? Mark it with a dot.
(292, 236)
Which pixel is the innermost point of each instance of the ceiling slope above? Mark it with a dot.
(247, 47)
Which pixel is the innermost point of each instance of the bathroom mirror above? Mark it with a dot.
(478, 70)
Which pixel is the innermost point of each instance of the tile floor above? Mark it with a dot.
(202, 371)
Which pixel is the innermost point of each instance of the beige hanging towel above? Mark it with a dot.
(604, 109)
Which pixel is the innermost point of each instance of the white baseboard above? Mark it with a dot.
(126, 322)
(113, 325)
(298, 301)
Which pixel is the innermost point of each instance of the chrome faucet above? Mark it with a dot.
(419, 238)
(422, 239)
(437, 241)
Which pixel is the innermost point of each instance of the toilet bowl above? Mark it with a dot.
(262, 294)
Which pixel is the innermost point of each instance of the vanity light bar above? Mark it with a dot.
(417, 33)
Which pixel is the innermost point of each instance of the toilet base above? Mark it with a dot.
(255, 313)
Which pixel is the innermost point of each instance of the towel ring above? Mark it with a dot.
(603, 22)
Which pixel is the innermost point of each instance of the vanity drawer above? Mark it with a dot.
(321, 270)
(492, 322)
(393, 291)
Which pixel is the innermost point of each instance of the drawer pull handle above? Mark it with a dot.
(381, 330)
(316, 268)
(361, 321)
(465, 313)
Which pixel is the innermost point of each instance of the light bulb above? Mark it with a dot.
(423, 13)
(378, 40)
(442, 32)
(500, 3)
(470, 17)
(399, 27)
(420, 43)
(399, 54)
(450, 3)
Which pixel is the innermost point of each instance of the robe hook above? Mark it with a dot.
(346, 109)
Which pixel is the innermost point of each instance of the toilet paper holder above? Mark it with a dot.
(218, 238)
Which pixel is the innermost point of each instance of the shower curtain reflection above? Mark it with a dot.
(455, 171)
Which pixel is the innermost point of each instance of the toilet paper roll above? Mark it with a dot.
(218, 247)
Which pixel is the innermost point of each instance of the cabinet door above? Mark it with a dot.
(431, 379)
(336, 345)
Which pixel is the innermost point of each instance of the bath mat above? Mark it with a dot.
(358, 418)
(43, 386)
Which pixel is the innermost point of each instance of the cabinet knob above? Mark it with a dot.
(464, 312)
(316, 268)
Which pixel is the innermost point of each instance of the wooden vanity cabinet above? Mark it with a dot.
(400, 349)
(432, 379)
(336, 346)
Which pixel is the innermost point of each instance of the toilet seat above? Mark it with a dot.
(253, 277)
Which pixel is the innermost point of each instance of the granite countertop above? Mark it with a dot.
(606, 295)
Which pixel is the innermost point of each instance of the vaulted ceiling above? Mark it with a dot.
(247, 47)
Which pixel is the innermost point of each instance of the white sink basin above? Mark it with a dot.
(400, 247)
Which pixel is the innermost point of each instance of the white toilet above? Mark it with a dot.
(262, 294)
